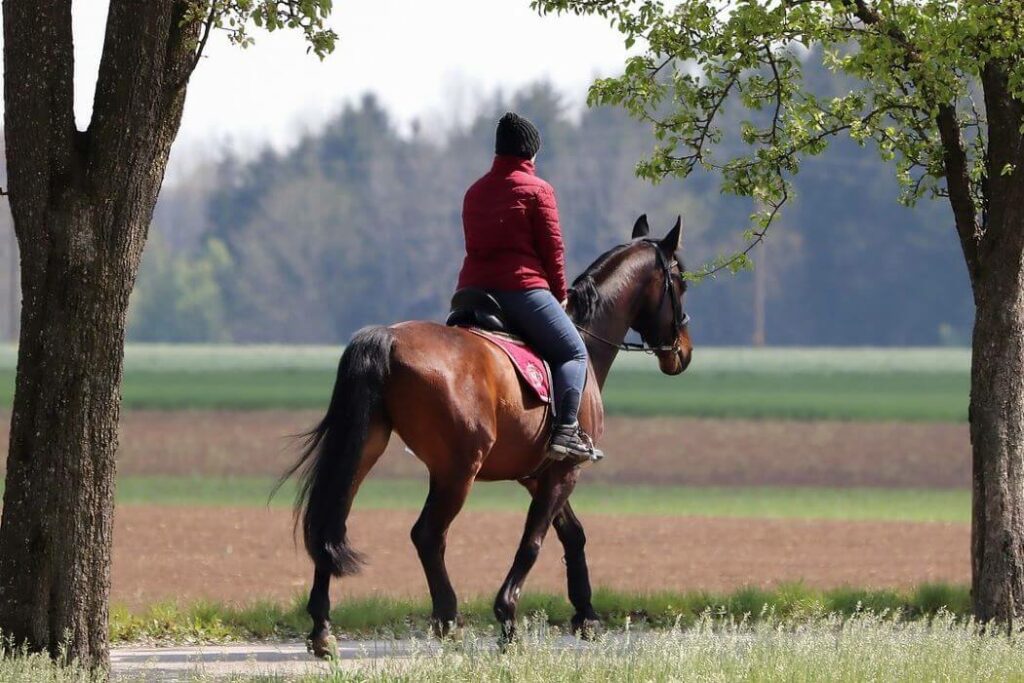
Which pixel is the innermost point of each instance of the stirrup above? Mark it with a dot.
(588, 457)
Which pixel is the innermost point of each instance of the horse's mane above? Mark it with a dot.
(585, 295)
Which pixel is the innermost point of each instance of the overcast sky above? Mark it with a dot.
(430, 60)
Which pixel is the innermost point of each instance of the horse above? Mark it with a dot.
(458, 404)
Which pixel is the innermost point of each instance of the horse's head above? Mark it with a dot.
(661, 318)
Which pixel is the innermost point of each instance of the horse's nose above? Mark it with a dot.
(685, 356)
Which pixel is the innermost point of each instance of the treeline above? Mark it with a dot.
(359, 224)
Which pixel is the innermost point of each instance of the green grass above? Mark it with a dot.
(21, 666)
(845, 384)
(924, 396)
(214, 622)
(866, 647)
(590, 498)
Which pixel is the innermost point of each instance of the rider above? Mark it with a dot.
(514, 251)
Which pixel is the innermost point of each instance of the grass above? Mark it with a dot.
(376, 616)
(19, 666)
(911, 505)
(845, 384)
(866, 647)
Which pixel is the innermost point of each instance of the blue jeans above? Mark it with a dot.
(539, 319)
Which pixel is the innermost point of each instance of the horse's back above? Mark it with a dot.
(456, 397)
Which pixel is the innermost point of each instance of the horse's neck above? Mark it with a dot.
(611, 324)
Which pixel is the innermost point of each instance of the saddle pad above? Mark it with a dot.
(528, 364)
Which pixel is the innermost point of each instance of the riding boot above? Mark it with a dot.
(569, 442)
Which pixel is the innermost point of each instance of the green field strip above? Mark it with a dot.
(905, 505)
(798, 384)
(937, 397)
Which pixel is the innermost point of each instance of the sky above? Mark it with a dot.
(428, 60)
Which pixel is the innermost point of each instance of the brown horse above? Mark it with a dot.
(457, 403)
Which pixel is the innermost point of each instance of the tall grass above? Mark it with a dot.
(866, 647)
(20, 666)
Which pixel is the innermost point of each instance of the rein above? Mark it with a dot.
(679, 317)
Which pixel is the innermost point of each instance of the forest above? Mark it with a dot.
(359, 223)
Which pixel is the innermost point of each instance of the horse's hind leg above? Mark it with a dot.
(551, 493)
(570, 533)
(320, 641)
(444, 501)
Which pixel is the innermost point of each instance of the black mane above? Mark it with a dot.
(584, 297)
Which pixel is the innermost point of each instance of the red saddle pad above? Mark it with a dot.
(528, 364)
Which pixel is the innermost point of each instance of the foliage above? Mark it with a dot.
(916, 63)
(178, 298)
(238, 17)
(207, 622)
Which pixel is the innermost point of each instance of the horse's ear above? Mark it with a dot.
(640, 228)
(673, 239)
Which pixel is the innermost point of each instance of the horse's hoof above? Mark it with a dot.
(322, 644)
(587, 628)
(444, 629)
(508, 638)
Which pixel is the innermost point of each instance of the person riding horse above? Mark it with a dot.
(459, 406)
(514, 251)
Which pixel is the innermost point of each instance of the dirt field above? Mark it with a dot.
(640, 450)
(244, 554)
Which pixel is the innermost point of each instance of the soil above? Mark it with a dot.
(245, 554)
(640, 450)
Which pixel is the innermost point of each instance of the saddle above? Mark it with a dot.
(473, 307)
(480, 313)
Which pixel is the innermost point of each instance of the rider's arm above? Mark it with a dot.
(548, 237)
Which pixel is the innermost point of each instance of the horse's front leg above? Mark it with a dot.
(570, 532)
(552, 490)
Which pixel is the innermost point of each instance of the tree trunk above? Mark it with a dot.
(81, 203)
(55, 566)
(997, 441)
(997, 368)
(997, 411)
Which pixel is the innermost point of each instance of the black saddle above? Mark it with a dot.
(473, 307)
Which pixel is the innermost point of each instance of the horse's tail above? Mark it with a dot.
(330, 458)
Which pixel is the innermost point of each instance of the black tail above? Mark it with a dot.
(330, 456)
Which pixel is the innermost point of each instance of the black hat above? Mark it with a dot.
(516, 137)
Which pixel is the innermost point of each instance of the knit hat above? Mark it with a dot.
(516, 137)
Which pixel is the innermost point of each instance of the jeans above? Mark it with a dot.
(539, 319)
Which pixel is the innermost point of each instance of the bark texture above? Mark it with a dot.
(997, 372)
(81, 203)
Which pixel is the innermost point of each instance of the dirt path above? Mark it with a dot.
(244, 554)
(655, 450)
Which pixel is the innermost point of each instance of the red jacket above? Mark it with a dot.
(513, 240)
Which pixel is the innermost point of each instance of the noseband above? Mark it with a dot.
(679, 317)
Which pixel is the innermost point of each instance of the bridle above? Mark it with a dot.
(679, 317)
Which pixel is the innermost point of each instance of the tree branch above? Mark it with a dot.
(958, 182)
(39, 117)
(211, 20)
(143, 54)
